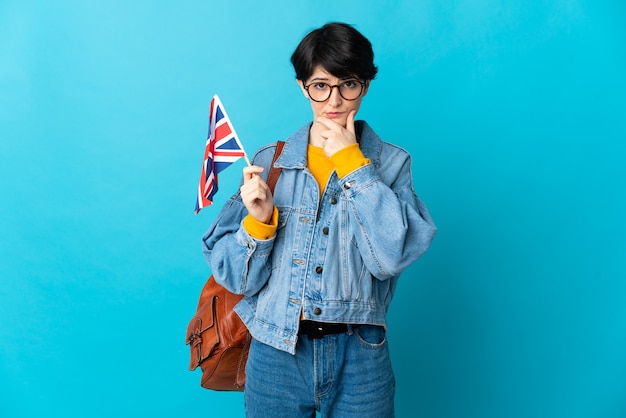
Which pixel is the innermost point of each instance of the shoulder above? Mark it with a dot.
(263, 156)
(378, 150)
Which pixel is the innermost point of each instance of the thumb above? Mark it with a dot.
(350, 121)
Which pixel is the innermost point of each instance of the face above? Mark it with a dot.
(335, 107)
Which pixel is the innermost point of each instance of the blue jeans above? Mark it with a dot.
(341, 375)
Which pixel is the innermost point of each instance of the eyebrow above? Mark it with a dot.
(327, 79)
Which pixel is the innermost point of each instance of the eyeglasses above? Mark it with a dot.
(349, 90)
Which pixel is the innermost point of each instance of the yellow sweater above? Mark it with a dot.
(343, 162)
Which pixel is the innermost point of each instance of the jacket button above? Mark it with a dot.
(317, 311)
(333, 201)
(319, 269)
(348, 185)
(325, 230)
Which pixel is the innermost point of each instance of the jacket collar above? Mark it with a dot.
(294, 154)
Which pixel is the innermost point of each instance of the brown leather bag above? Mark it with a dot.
(218, 339)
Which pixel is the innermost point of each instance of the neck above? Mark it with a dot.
(314, 138)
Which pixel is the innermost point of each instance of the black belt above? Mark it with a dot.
(316, 330)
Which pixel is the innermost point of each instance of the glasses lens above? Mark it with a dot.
(350, 90)
(319, 91)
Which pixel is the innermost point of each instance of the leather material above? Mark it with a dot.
(218, 339)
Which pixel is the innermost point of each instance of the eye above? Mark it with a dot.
(319, 86)
(351, 84)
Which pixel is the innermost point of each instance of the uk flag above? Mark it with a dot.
(222, 149)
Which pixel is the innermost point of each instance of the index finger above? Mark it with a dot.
(251, 170)
(329, 123)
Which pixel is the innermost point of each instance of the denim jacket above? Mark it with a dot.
(334, 258)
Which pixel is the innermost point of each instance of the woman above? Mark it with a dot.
(319, 261)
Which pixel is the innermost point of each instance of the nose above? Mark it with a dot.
(335, 97)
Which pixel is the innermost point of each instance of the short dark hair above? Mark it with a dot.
(339, 49)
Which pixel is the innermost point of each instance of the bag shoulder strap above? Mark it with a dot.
(272, 176)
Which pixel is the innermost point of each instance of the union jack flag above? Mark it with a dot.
(222, 149)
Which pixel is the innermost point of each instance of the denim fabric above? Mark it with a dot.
(341, 376)
(334, 258)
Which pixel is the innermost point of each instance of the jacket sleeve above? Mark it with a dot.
(238, 261)
(390, 224)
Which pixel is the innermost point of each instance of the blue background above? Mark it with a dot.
(514, 111)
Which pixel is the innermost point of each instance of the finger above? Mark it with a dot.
(254, 196)
(252, 193)
(330, 124)
(250, 171)
(253, 169)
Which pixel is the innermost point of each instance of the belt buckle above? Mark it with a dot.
(315, 331)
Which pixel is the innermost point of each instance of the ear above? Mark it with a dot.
(301, 84)
(366, 88)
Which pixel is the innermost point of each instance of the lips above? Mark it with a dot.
(333, 115)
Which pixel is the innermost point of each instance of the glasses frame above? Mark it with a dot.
(362, 83)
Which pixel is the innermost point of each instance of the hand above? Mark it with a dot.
(334, 136)
(256, 194)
